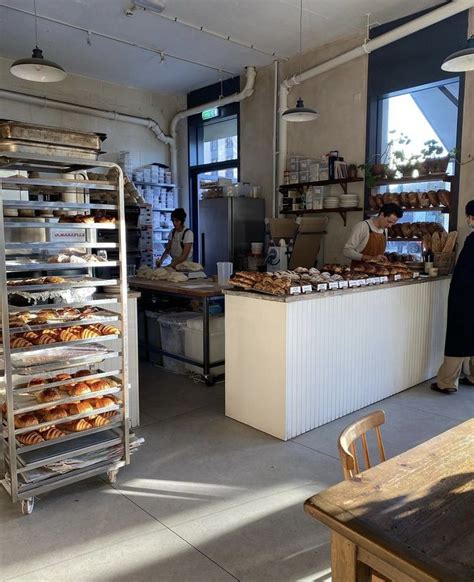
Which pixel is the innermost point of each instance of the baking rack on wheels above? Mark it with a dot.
(64, 418)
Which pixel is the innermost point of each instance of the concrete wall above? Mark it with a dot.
(340, 96)
(101, 94)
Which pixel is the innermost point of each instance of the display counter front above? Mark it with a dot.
(295, 363)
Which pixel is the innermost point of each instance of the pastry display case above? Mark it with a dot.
(64, 418)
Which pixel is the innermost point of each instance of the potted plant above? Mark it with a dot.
(433, 162)
(405, 165)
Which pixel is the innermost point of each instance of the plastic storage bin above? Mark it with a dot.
(154, 336)
(193, 342)
(172, 329)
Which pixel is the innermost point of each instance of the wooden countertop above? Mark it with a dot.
(415, 511)
(191, 288)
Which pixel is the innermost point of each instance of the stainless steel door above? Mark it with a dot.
(248, 225)
(215, 232)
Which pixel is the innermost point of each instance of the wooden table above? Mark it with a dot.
(201, 289)
(410, 518)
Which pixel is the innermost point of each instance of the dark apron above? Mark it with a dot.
(375, 245)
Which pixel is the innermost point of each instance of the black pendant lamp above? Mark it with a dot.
(460, 61)
(37, 68)
(300, 112)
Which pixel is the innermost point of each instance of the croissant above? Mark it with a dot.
(30, 438)
(36, 382)
(56, 413)
(50, 332)
(81, 373)
(89, 334)
(46, 339)
(31, 336)
(103, 402)
(19, 342)
(80, 407)
(78, 425)
(107, 329)
(48, 395)
(78, 389)
(52, 433)
(25, 420)
(99, 421)
(62, 378)
(108, 414)
(67, 336)
(99, 385)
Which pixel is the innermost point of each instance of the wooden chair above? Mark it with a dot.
(348, 438)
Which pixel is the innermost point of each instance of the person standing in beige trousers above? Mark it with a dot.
(460, 330)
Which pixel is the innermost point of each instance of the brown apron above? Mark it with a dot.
(375, 245)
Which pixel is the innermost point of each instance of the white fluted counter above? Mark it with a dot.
(296, 363)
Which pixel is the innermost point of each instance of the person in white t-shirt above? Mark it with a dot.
(180, 240)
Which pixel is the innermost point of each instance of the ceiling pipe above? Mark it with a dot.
(246, 92)
(436, 15)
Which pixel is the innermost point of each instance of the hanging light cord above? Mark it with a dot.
(36, 23)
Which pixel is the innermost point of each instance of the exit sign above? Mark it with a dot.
(210, 113)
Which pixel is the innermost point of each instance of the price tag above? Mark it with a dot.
(397, 278)
(343, 284)
(295, 290)
(307, 288)
(354, 283)
(416, 275)
(384, 279)
(377, 280)
(322, 287)
(363, 282)
(371, 281)
(334, 284)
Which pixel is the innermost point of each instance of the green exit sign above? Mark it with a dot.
(210, 113)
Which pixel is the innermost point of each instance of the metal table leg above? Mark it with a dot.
(209, 379)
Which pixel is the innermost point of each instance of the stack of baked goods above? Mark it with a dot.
(36, 281)
(264, 282)
(408, 230)
(440, 242)
(88, 219)
(60, 315)
(60, 335)
(407, 200)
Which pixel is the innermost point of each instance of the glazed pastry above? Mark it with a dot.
(48, 395)
(78, 425)
(30, 438)
(25, 420)
(56, 413)
(52, 433)
(78, 389)
(80, 407)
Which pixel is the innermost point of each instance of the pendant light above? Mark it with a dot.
(37, 68)
(300, 112)
(460, 61)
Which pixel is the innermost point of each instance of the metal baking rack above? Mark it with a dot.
(34, 236)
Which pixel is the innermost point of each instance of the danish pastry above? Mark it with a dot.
(30, 438)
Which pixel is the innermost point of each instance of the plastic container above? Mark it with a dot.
(193, 342)
(224, 271)
(172, 327)
(154, 336)
(256, 248)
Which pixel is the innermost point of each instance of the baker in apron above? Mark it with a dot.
(369, 237)
(180, 240)
(460, 331)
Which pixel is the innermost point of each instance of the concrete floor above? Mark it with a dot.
(206, 498)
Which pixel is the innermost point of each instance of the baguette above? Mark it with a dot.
(427, 242)
(436, 242)
(450, 242)
(444, 238)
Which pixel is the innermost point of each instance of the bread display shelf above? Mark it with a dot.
(443, 209)
(60, 245)
(20, 183)
(69, 283)
(61, 225)
(80, 342)
(26, 267)
(426, 178)
(401, 239)
(98, 300)
(59, 205)
(20, 382)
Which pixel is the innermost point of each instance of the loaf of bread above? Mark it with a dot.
(79, 389)
(450, 242)
(433, 197)
(30, 438)
(48, 395)
(423, 200)
(36, 382)
(436, 242)
(404, 199)
(427, 243)
(25, 420)
(444, 238)
(406, 230)
(372, 202)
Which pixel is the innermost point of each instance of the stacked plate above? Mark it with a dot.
(349, 201)
(331, 202)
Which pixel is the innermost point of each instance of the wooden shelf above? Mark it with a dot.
(342, 211)
(443, 209)
(342, 182)
(398, 239)
(427, 178)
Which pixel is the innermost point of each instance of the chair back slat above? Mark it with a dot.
(349, 436)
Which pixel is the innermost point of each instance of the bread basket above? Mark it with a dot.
(444, 262)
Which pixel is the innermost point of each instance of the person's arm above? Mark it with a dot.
(183, 257)
(358, 240)
(164, 255)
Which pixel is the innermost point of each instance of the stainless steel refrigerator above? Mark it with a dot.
(227, 226)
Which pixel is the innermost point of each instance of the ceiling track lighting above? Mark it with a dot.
(300, 112)
(460, 61)
(37, 68)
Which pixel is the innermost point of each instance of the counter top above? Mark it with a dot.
(191, 288)
(332, 293)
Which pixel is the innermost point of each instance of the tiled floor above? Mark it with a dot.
(206, 498)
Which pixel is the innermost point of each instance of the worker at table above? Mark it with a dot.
(180, 241)
(368, 239)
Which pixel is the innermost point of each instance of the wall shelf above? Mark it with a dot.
(443, 209)
(342, 211)
(158, 185)
(342, 182)
(428, 178)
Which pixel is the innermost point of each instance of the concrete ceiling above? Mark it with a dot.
(272, 26)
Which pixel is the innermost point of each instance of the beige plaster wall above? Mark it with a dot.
(340, 96)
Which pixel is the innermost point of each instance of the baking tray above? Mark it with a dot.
(31, 147)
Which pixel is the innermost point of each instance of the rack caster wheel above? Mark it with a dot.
(27, 505)
(112, 475)
(209, 380)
